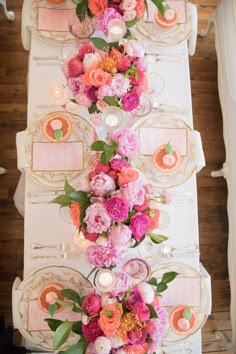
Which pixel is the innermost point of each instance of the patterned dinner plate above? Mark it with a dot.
(82, 131)
(68, 278)
(144, 162)
(202, 311)
(154, 35)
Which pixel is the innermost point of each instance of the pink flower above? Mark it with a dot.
(101, 21)
(141, 207)
(146, 292)
(104, 91)
(82, 99)
(128, 4)
(96, 118)
(141, 311)
(76, 85)
(90, 60)
(101, 105)
(139, 225)
(102, 168)
(119, 84)
(72, 67)
(134, 49)
(123, 283)
(129, 15)
(123, 64)
(103, 256)
(140, 8)
(101, 184)
(140, 64)
(91, 236)
(120, 236)
(102, 345)
(92, 330)
(130, 101)
(97, 218)
(92, 304)
(134, 297)
(118, 164)
(134, 193)
(91, 93)
(157, 327)
(137, 336)
(127, 142)
(117, 208)
(87, 48)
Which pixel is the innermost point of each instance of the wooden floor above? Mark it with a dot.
(212, 193)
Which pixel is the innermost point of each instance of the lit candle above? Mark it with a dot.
(116, 29)
(105, 280)
(111, 120)
(57, 93)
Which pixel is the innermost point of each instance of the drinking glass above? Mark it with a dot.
(81, 30)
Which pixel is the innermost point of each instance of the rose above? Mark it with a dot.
(97, 7)
(101, 105)
(92, 304)
(82, 99)
(136, 349)
(92, 330)
(154, 215)
(141, 311)
(96, 77)
(100, 167)
(86, 48)
(146, 291)
(137, 336)
(129, 15)
(127, 142)
(118, 164)
(97, 218)
(75, 211)
(91, 60)
(117, 208)
(72, 67)
(109, 320)
(101, 184)
(139, 224)
(102, 345)
(130, 101)
(120, 236)
(127, 175)
(134, 49)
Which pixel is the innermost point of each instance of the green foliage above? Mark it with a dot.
(61, 334)
(156, 238)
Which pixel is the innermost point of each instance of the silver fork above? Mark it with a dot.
(65, 255)
(153, 58)
(65, 246)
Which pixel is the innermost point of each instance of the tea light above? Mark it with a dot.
(112, 117)
(57, 93)
(111, 120)
(116, 29)
(105, 280)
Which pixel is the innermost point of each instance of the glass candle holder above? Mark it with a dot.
(116, 29)
(112, 117)
(57, 93)
(81, 30)
(105, 280)
(138, 270)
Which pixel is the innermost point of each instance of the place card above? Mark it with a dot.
(178, 5)
(66, 156)
(54, 19)
(182, 291)
(36, 316)
(151, 138)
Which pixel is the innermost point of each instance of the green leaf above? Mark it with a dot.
(152, 281)
(82, 216)
(111, 100)
(61, 334)
(161, 287)
(52, 309)
(77, 328)
(77, 309)
(100, 43)
(65, 303)
(109, 151)
(113, 45)
(71, 294)
(58, 134)
(81, 10)
(158, 4)
(128, 35)
(78, 348)
(146, 5)
(168, 277)
(53, 324)
(104, 159)
(80, 197)
(77, 1)
(135, 244)
(156, 238)
(93, 108)
(153, 313)
(168, 149)
(63, 200)
(98, 145)
(68, 188)
(188, 313)
(132, 22)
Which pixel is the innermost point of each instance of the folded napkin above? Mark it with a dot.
(54, 19)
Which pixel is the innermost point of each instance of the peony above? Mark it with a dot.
(76, 85)
(82, 99)
(72, 67)
(146, 291)
(96, 77)
(130, 101)
(92, 304)
(117, 164)
(97, 218)
(157, 327)
(103, 256)
(97, 7)
(134, 297)
(117, 208)
(141, 311)
(102, 184)
(109, 320)
(137, 336)
(100, 167)
(127, 175)
(75, 211)
(134, 193)
(134, 49)
(104, 91)
(120, 236)
(102, 345)
(127, 142)
(120, 84)
(139, 224)
(123, 283)
(101, 21)
(91, 60)
(92, 330)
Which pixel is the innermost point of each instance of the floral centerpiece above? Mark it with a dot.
(115, 210)
(127, 320)
(107, 74)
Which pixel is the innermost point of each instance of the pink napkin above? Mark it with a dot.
(180, 7)
(152, 138)
(36, 316)
(183, 291)
(58, 156)
(54, 19)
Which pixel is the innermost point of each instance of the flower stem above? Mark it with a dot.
(93, 270)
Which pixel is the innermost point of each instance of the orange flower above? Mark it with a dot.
(136, 349)
(127, 175)
(96, 77)
(75, 211)
(97, 7)
(154, 215)
(140, 8)
(107, 64)
(109, 320)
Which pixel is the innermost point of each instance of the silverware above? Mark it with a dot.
(48, 63)
(174, 55)
(49, 57)
(162, 107)
(155, 59)
(34, 194)
(65, 246)
(65, 255)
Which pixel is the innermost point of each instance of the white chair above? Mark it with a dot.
(2, 170)
(8, 14)
(192, 41)
(19, 195)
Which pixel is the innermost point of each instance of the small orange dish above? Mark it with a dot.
(165, 22)
(175, 317)
(53, 125)
(159, 155)
(50, 290)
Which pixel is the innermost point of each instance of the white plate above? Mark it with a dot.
(154, 35)
(82, 131)
(202, 311)
(67, 277)
(145, 163)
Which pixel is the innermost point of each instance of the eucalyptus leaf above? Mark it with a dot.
(53, 324)
(168, 277)
(161, 287)
(156, 238)
(63, 200)
(153, 313)
(98, 145)
(68, 188)
(61, 334)
(58, 133)
(52, 309)
(71, 294)
(188, 313)
(100, 43)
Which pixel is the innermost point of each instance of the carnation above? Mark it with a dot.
(139, 225)
(117, 208)
(127, 142)
(97, 218)
(101, 184)
(103, 256)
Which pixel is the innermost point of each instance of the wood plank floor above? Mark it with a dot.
(212, 193)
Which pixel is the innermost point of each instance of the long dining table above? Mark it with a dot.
(44, 223)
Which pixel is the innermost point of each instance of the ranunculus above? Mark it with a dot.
(76, 85)
(75, 211)
(82, 99)
(96, 77)
(97, 7)
(100, 167)
(118, 164)
(117, 208)
(109, 320)
(91, 60)
(92, 304)
(120, 236)
(139, 224)
(101, 184)
(146, 291)
(127, 142)
(154, 215)
(92, 330)
(127, 175)
(72, 67)
(130, 101)
(134, 49)
(86, 48)
(102, 345)
(141, 311)
(137, 336)
(97, 218)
